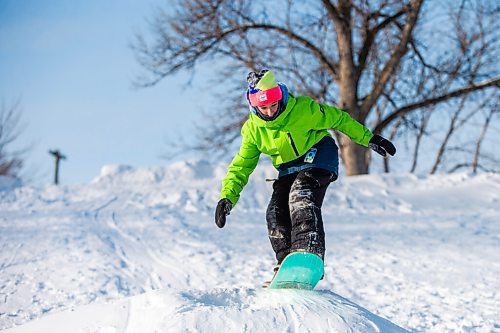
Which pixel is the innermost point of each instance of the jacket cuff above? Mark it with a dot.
(231, 198)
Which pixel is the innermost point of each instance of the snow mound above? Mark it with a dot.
(219, 310)
(181, 171)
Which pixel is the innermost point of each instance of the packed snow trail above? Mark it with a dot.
(134, 235)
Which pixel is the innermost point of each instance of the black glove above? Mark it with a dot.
(382, 146)
(224, 206)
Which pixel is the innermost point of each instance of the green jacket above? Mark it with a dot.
(302, 124)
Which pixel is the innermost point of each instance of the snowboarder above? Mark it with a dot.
(294, 132)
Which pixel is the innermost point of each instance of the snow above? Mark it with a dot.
(137, 250)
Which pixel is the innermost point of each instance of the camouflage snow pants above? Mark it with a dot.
(293, 216)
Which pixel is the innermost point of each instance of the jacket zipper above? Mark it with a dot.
(293, 144)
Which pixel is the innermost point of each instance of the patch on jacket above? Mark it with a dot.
(311, 153)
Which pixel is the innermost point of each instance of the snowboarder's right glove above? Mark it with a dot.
(224, 207)
(382, 146)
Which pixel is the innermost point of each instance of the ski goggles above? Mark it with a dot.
(264, 97)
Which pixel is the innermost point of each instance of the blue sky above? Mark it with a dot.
(71, 66)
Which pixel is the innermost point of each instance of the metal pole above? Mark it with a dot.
(58, 156)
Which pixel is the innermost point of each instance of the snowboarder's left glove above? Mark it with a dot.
(382, 146)
(224, 207)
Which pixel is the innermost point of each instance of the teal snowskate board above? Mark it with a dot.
(299, 270)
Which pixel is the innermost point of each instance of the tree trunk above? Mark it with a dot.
(354, 156)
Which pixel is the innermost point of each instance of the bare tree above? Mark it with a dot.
(421, 131)
(456, 122)
(471, 151)
(379, 60)
(10, 160)
(487, 121)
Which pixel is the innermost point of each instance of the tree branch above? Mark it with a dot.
(332, 11)
(204, 45)
(370, 35)
(301, 40)
(432, 101)
(396, 56)
(482, 135)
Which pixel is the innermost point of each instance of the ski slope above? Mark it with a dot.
(137, 250)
